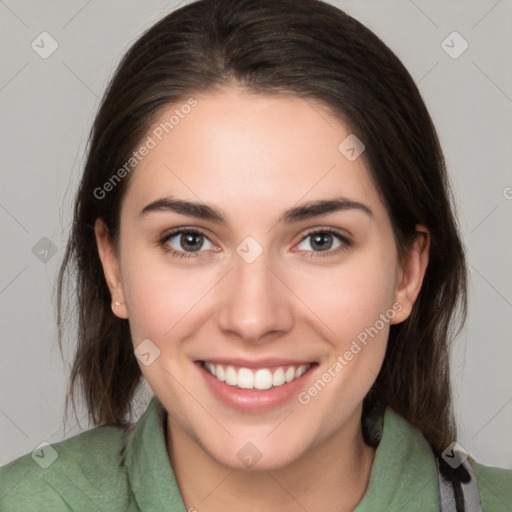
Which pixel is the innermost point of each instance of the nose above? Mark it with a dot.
(256, 305)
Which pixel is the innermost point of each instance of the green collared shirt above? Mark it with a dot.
(108, 469)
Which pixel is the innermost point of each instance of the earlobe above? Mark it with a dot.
(111, 270)
(410, 277)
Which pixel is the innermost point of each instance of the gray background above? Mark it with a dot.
(47, 107)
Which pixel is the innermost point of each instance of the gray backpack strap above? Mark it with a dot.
(469, 489)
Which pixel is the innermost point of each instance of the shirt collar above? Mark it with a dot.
(150, 473)
(403, 468)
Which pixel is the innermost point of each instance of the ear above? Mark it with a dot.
(111, 269)
(411, 273)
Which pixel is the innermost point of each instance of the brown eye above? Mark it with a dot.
(323, 241)
(187, 241)
(191, 241)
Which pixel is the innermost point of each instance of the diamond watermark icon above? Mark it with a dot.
(249, 455)
(45, 455)
(454, 45)
(146, 352)
(455, 455)
(351, 147)
(44, 250)
(44, 45)
(249, 249)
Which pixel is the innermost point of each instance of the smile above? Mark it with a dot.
(257, 378)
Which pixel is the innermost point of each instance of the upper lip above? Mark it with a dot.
(261, 363)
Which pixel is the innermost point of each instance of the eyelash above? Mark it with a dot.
(345, 242)
(180, 231)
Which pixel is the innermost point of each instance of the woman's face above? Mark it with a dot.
(253, 242)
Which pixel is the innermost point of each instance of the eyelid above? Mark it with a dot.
(183, 229)
(164, 239)
(326, 229)
(344, 241)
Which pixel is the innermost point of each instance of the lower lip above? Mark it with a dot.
(253, 400)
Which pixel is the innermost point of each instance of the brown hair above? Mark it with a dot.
(309, 49)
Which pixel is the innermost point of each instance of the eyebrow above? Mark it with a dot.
(295, 214)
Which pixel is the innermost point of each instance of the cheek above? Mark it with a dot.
(160, 296)
(350, 297)
(355, 305)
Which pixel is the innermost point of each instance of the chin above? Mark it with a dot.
(258, 455)
(251, 458)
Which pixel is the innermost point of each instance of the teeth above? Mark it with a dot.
(290, 374)
(220, 373)
(245, 380)
(211, 368)
(261, 379)
(301, 370)
(278, 378)
(231, 376)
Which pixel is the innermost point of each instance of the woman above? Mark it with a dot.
(263, 232)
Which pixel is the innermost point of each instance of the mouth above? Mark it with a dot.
(257, 378)
(256, 387)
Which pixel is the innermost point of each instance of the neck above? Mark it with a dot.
(332, 476)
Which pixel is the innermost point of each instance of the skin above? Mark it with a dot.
(252, 157)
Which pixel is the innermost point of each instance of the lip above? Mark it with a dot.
(251, 400)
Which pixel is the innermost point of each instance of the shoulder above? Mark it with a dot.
(82, 472)
(495, 487)
(404, 444)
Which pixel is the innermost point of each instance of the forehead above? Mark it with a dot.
(243, 149)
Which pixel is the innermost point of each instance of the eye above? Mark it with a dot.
(185, 241)
(323, 241)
